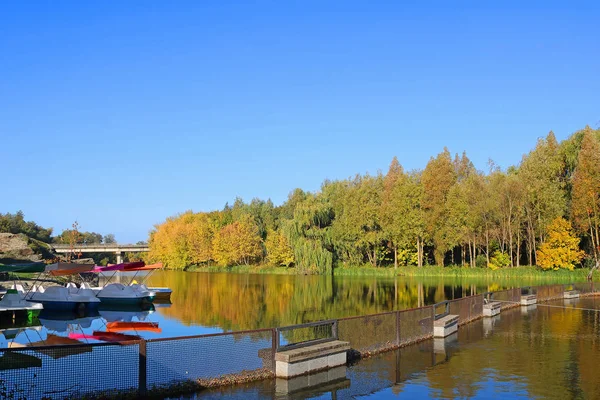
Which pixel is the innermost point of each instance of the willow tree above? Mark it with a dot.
(585, 205)
(309, 235)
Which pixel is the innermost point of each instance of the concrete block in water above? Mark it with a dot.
(331, 379)
(571, 294)
(445, 326)
(526, 310)
(489, 324)
(528, 300)
(491, 309)
(304, 360)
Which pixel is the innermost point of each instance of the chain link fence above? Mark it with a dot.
(369, 334)
(415, 325)
(584, 288)
(467, 308)
(508, 298)
(549, 292)
(211, 360)
(69, 371)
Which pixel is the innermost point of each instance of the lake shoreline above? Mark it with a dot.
(577, 275)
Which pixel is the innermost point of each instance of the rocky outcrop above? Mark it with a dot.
(19, 247)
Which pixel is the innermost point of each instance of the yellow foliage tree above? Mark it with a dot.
(279, 251)
(182, 241)
(561, 248)
(238, 242)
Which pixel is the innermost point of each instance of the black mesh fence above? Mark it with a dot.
(468, 308)
(211, 360)
(371, 333)
(549, 292)
(508, 298)
(584, 288)
(415, 325)
(69, 371)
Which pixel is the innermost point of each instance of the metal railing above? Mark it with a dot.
(446, 305)
(329, 327)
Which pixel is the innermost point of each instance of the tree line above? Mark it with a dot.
(447, 213)
(16, 224)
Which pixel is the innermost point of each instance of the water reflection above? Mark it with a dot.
(252, 301)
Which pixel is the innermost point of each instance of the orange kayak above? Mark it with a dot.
(132, 326)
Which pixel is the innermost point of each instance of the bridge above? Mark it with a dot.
(116, 248)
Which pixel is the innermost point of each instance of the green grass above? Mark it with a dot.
(523, 272)
(245, 269)
(466, 272)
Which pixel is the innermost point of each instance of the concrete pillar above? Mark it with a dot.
(119, 257)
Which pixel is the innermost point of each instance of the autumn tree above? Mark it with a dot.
(585, 205)
(238, 242)
(279, 251)
(561, 248)
(438, 178)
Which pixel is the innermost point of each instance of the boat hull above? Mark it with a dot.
(67, 305)
(127, 301)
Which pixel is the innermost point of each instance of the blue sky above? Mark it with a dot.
(119, 114)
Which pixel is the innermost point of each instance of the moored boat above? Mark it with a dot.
(61, 298)
(117, 293)
(126, 295)
(14, 301)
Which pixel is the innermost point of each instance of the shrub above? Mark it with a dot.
(561, 248)
(499, 260)
(481, 261)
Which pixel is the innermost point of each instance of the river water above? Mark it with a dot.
(204, 303)
(549, 351)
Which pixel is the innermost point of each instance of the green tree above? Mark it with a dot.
(309, 233)
(542, 174)
(585, 205)
(438, 178)
(15, 223)
(401, 215)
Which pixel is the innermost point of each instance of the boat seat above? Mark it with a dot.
(39, 289)
(18, 288)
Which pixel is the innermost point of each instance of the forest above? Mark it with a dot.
(544, 211)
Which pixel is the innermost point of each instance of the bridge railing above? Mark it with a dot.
(105, 245)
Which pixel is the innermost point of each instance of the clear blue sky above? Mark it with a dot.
(119, 114)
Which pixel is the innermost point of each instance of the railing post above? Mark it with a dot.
(274, 345)
(142, 374)
(334, 330)
(276, 338)
(397, 328)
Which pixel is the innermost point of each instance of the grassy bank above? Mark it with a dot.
(245, 269)
(462, 272)
(524, 272)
